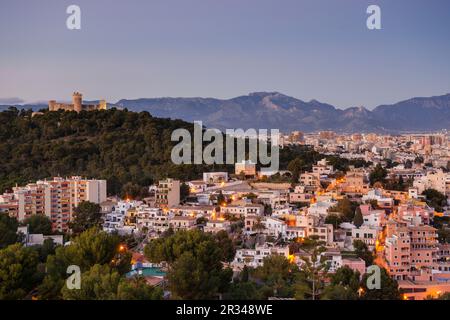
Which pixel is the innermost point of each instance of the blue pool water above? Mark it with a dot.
(148, 272)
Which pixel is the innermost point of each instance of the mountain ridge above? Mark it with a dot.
(275, 110)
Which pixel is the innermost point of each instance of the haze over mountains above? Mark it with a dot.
(270, 110)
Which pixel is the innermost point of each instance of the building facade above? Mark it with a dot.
(167, 193)
(56, 199)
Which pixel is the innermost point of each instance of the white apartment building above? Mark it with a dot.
(115, 221)
(293, 232)
(30, 239)
(322, 167)
(182, 223)
(215, 226)
(215, 177)
(152, 219)
(436, 179)
(243, 210)
(366, 234)
(254, 257)
(274, 227)
(206, 211)
(321, 208)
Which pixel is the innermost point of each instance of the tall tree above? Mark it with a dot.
(86, 250)
(435, 199)
(296, 166)
(344, 285)
(39, 224)
(388, 288)
(278, 275)
(18, 271)
(226, 244)
(137, 289)
(221, 198)
(195, 263)
(8, 230)
(87, 215)
(184, 191)
(310, 282)
(98, 283)
(346, 208)
(358, 220)
(363, 252)
(378, 174)
(334, 219)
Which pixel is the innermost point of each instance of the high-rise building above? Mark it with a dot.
(55, 199)
(410, 251)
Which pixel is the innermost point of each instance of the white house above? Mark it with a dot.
(215, 226)
(254, 257)
(366, 234)
(31, 239)
(274, 227)
(153, 219)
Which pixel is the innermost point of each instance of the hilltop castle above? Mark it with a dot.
(76, 105)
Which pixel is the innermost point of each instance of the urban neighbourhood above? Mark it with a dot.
(306, 232)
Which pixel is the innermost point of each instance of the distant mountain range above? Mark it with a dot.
(275, 110)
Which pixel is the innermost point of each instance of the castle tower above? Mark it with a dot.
(102, 105)
(52, 105)
(77, 100)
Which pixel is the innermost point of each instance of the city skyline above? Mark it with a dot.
(204, 49)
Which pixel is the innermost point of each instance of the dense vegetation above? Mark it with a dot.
(435, 199)
(195, 262)
(130, 150)
(41, 270)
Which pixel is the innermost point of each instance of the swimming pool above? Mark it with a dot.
(147, 272)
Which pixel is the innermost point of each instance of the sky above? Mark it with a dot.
(309, 49)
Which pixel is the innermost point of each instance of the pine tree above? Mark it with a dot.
(358, 219)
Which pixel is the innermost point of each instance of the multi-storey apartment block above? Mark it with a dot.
(255, 257)
(153, 220)
(243, 210)
(55, 199)
(167, 193)
(409, 250)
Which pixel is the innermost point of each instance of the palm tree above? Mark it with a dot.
(258, 226)
(312, 274)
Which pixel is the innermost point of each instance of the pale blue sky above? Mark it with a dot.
(309, 49)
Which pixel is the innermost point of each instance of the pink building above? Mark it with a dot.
(411, 251)
(356, 264)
